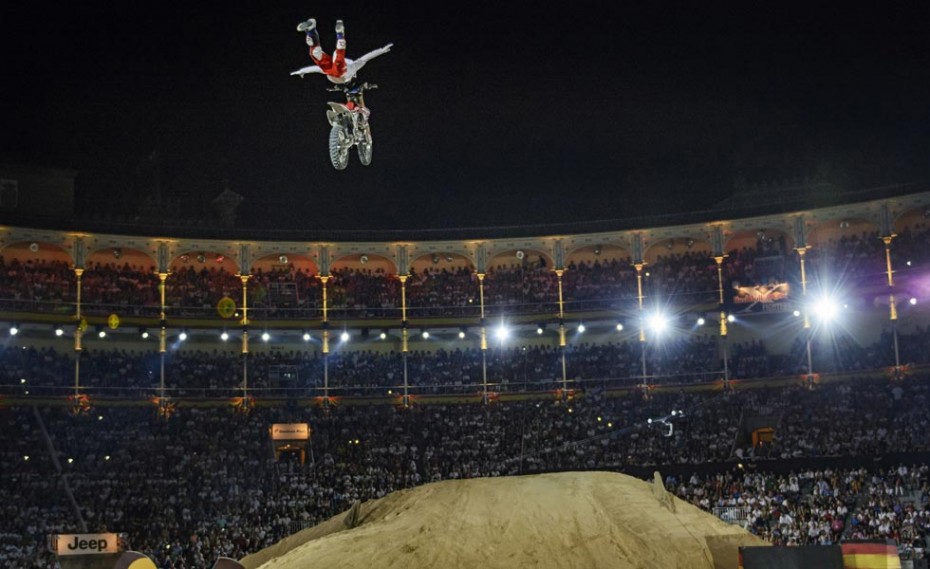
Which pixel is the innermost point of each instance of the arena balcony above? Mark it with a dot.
(750, 277)
(585, 272)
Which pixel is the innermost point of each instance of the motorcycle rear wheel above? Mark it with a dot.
(338, 154)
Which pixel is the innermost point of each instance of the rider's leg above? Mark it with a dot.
(313, 42)
(339, 56)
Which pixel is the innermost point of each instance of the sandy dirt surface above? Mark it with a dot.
(548, 521)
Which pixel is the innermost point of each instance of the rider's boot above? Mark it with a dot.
(307, 26)
(340, 36)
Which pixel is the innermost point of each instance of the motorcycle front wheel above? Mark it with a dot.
(338, 152)
(364, 153)
(364, 145)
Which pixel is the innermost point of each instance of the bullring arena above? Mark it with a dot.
(473, 402)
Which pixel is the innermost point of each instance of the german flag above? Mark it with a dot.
(870, 555)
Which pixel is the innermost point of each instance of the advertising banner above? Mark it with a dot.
(84, 543)
(290, 432)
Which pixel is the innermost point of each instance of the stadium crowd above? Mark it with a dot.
(522, 286)
(362, 370)
(204, 482)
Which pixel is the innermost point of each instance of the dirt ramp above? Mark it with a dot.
(549, 521)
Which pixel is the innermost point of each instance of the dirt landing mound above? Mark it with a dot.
(549, 521)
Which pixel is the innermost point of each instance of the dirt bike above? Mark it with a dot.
(350, 126)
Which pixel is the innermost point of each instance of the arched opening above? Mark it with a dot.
(285, 286)
(199, 280)
(844, 252)
(120, 280)
(680, 271)
(598, 277)
(364, 286)
(442, 284)
(521, 281)
(37, 277)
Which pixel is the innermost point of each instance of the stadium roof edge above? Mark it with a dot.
(199, 231)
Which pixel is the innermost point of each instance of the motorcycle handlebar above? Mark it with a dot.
(344, 89)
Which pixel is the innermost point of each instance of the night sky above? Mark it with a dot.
(488, 113)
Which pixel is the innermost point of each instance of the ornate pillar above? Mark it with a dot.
(484, 339)
(244, 277)
(892, 306)
(162, 336)
(805, 311)
(325, 280)
(642, 321)
(404, 346)
(78, 332)
(719, 256)
(559, 273)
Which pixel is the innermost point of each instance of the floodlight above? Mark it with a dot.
(224, 336)
(14, 330)
(539, 330)
(306, 336)
(59, 331)
(182, 336)
(425, 334)
(461, 334)
(619, 327)
(700, 321)
(731, 318)
(796, 313)
(383, 335)
(102, 333)
(657, 322)
(265, 336)
(502, 332)
(913, 301)
(581, 328)
(344, 336)
(826, 308)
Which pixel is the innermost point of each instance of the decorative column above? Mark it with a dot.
(245, 339)
(78, 332)
(562, 342)
(805, 311)
(324, 280)
(163, 405)
(892, 306)
(723, 323)
(404, 345)
(719, 256)
(484, 340)
(642, 321)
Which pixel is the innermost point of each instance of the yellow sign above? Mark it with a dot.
(226, 307)
(290, 432)
(85, 543)
(113, 321)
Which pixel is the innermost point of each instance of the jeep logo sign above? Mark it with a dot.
(86, 543)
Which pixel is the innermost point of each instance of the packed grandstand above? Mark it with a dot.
(123, 409)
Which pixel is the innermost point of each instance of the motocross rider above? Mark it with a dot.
(332, 67)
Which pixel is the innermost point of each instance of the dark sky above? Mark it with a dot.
(488, 113)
